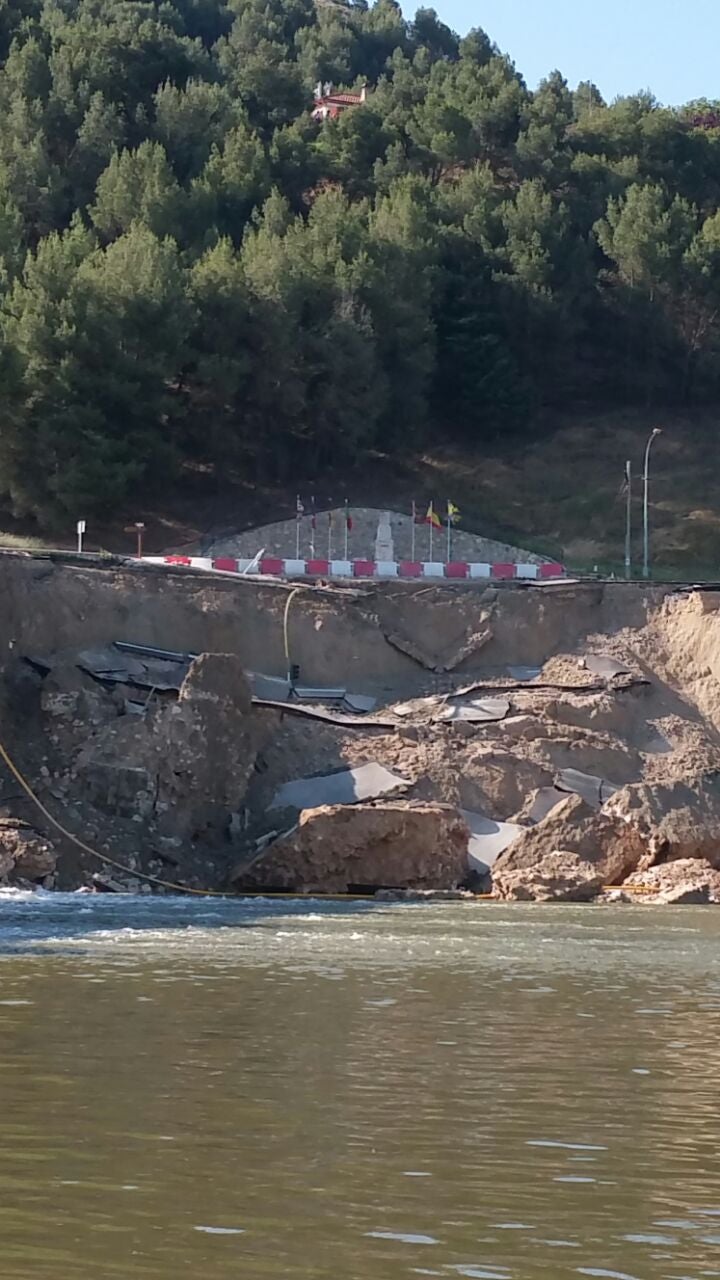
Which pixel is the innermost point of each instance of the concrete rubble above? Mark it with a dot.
(569, 735)
(160, 766)
(687, 881)
(347, 786)
(578, 842)
(26, 857)
(678, 820)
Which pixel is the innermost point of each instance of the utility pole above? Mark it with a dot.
(628, 520)
(656, 431)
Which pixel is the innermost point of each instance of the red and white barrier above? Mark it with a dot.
(276, 567)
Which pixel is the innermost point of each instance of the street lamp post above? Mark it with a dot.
(628, 520)
(656, 431)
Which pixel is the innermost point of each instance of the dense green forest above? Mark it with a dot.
(195, 273)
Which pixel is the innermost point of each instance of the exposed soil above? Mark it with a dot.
(162, 784)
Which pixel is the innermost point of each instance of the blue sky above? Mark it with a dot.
(622, 45)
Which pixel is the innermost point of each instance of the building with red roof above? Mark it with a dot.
(329, 105)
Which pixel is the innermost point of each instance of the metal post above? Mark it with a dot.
(431, 516)
(80, 531)
(347, 530)
(412, 532)
(448, 533)
(656, 431)
(140, 528)
(628, 520)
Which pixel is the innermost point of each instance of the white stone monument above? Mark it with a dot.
(384, 547)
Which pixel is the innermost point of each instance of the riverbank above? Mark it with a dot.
(533, 741)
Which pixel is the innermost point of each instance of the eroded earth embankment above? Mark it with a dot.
(539, 742)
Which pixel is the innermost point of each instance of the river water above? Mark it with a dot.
(260, 1090)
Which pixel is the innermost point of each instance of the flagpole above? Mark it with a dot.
(431, 513)
(298, 513)
(312, 528)
(329, 535)
(412, 532)
(448, 533)
(347, 513)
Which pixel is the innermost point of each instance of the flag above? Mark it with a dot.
(453, 513)
(299, 508)
(432, 518)
(348, 518)
(330, 519)
(313, 521)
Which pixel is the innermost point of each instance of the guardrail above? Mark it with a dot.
(277, 567)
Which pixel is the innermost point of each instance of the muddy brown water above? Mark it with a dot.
(224, 1090)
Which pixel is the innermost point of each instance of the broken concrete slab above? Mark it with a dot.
(360, 702)
(347, 786)
(524, 674)
(328, 714)
(113, 667)
(476, 710)
(279, 689)
(594, 790)
(488, 839)
(438, 710)
(542, 802)
(601, 666)
(268, 688)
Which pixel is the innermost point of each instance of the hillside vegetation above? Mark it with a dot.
(195, 277)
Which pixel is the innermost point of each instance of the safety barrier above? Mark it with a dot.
(277, 567)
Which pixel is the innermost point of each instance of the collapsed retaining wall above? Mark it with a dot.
(376, 634)
(212, 763)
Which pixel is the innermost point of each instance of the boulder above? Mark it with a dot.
(24, 853)
(391, 844)
(679, 819)
(592, 846)
(185, 764)
(558, 876)
(686, 880)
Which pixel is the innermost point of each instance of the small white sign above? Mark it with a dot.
(81, 526)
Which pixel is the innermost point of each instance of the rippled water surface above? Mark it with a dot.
(266, 1090)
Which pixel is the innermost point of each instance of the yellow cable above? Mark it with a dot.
(286, 617)
(142, 875)
(94, 853)
(215, 893)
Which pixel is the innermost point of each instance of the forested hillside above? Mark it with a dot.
(194, 272)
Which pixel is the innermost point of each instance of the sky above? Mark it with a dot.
(621, 45)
